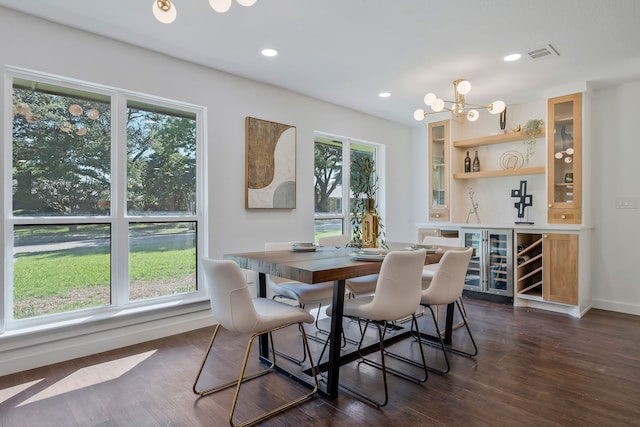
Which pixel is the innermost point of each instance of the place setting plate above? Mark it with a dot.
(304, 247)
(368, 254)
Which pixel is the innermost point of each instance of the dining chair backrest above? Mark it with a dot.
(399, 285)
(339, 240)
(441, 241)
(231, 302)
(448, 281)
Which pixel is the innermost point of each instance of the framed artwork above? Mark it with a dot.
(270, 165)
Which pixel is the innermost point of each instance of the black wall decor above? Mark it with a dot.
(525, 201)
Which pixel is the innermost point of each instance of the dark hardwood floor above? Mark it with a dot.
(534, 368)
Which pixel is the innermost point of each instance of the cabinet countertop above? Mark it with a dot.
(517, 227)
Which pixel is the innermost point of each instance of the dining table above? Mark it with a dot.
(324, 264)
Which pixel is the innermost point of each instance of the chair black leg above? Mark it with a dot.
(381, 328)
(442, 345)
(466, 325)
(423, 365)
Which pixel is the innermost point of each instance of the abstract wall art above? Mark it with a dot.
(270, 165)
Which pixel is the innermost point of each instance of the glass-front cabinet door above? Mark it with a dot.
(439, 134)
(473, 279)
(499, 258)
(565, 159)
(491, 267)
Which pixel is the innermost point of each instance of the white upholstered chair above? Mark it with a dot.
(446, 288)
(397, 296)
(356, 286)
(304, 294)
(235, 310)
(429, 270)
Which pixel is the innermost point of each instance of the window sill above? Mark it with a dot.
(101, 322)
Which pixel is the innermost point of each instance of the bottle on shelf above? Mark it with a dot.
(522, 259)
(467, 163)
(476, 163)
(522, 247)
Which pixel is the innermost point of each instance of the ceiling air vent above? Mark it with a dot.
(542, 52)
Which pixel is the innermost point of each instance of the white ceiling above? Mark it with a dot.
(347, 51)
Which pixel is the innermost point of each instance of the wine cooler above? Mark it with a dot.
(491, 267)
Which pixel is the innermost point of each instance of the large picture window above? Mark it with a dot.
(104, 200)
(333, 178)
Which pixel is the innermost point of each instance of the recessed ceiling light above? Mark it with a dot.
(269, 52)
(512, 57)
(384, 94)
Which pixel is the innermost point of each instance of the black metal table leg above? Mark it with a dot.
(337, 309)
(448, 330)
(263, 340)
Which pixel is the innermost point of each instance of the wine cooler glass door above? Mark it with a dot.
(500, 272)
(473, 280)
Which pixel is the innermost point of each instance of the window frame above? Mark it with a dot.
(118, 219)
(379, 155)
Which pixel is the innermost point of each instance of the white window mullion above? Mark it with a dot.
(119, 223)
(6, 294)
(346, 187)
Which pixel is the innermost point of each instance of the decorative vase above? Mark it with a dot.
(370, 226)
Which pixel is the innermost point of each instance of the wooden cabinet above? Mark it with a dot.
(564, 160)
(560, 255)
(547, 267)
(439, 151)
(466, 144)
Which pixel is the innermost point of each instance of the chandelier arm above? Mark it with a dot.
(477, 106)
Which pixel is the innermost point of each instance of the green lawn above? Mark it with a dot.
(63, 280)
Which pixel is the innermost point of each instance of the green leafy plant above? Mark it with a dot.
(531, 131)
(364, 187)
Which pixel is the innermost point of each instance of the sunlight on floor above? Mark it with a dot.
(89, 376)
(8, 393)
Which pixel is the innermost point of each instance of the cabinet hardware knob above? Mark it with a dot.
(445, 206)
(549, 204)
(437, 215)
(563, 216)
(545, 236)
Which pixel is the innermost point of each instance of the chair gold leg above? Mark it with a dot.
(242, 378)
(229, 383)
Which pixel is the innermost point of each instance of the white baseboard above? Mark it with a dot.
(616, 306)
(32, 355)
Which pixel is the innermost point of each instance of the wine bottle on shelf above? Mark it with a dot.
(522, 259)
(476, 163)
(522, 247)
(467, 163)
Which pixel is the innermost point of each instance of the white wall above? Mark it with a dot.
(55, 49)
(35, 44)
(616, 173)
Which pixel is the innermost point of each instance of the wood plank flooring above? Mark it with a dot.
(534, 368)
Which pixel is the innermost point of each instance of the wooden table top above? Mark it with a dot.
(325, 264)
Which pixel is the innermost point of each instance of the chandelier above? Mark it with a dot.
(165, 10)
(461, 87)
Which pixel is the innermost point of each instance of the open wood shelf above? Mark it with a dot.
(500, 138)
(536, 170)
